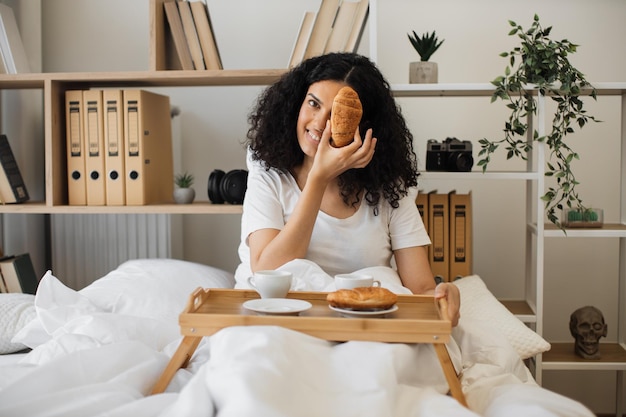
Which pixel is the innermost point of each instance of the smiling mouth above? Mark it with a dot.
(314, 136)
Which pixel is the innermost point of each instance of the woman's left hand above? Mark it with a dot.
(452, 295)
(332, 162)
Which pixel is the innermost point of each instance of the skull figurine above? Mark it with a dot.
(587, 326)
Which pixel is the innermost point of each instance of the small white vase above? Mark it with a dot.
(184, 195)
(423, 72)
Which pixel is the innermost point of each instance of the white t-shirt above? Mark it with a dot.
(337, 245)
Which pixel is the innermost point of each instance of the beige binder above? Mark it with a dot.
(94, 140)
(460, 235)
(421, 201)
(114, 147)
(148, 148)
(76, 185)
(439, 234)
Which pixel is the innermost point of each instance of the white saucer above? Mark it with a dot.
(347, 312)
(283, 306)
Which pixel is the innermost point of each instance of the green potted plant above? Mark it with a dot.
(583, 217)
(183, 193)
(426, 45)
(540, 66)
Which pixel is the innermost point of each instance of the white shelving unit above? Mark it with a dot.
(561, 356)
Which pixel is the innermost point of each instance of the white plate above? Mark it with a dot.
(277, 305)
(347, 312)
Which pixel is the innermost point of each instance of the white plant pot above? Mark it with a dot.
(423, 72)
(184, 195)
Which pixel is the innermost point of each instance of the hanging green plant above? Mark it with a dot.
(540, 66)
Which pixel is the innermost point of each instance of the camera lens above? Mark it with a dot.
(461, 161)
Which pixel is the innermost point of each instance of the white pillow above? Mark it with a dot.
(154, 288)
(16, 310)
(146, 292)
(478, 303)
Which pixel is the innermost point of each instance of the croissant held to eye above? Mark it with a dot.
(345, 116)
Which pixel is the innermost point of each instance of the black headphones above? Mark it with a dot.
(228, 187)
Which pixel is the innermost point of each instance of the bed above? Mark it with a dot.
(100, 350)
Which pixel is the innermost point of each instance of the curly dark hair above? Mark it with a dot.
(272, 133)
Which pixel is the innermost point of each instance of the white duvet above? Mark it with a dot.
(97, 353)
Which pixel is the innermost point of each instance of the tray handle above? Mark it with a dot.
(196, 299)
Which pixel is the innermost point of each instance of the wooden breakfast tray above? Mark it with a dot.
(418, 319)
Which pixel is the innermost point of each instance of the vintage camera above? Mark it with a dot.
(452, 155)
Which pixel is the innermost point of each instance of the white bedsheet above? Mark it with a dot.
(91, 362)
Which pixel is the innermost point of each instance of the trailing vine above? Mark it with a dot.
(540, 66)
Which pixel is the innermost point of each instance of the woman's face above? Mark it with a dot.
(314, 113)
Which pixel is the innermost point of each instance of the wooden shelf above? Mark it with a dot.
(521, 309)
(143, 78)
(22, 81)
(201, 207)
(561, 356)
(171, 78)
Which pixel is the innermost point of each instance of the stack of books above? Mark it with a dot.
(337, 26)
(192, 34)
(119, 147)
(448, 220)
(17, 275)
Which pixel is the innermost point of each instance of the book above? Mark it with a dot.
(76, 184)
(302, 40)
(206, 35)
(189, 28)
(13, 53)
(342, 27)
(93, 136)
(115, 184)
(358, 25)
(178, 34)
(3, 68)
(148, 155)
(322, 27)
(3, 285)
(460, 235)
(19, 274)
(12, 186)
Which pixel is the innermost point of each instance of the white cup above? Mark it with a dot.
(271, 283)
(354, 280)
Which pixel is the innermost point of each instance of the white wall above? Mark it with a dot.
(94, 35)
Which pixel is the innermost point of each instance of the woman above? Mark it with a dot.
(343, 208)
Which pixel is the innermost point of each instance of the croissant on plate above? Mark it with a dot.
(345, 116)
(363, 298)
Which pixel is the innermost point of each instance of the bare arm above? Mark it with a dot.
(271, 248)
(416, 275)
